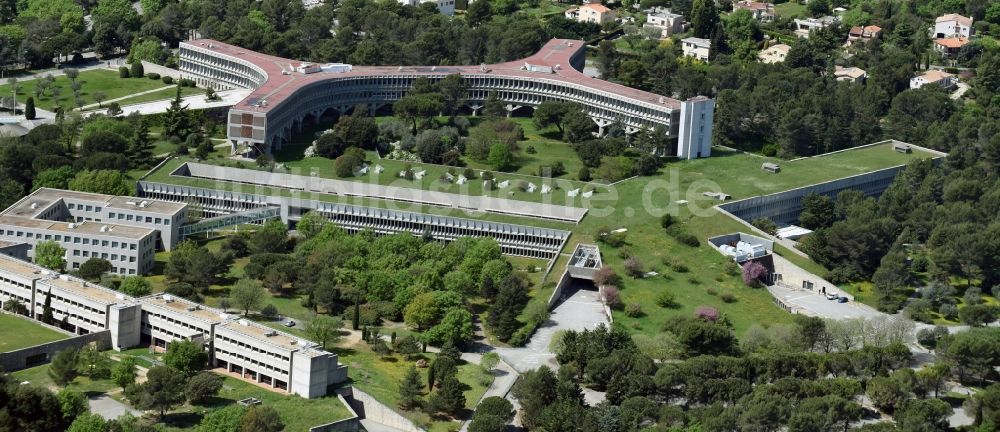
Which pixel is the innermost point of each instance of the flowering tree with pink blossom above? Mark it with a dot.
(609, 294)
(707, 313)
(754, 273)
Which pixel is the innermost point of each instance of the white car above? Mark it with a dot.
(831, 295)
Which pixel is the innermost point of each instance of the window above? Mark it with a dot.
(159, 221)
(98, 209)
(72, 206)
(90, 208)
(111, 215)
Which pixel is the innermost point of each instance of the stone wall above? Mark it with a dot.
(350, 424)
(369, 408)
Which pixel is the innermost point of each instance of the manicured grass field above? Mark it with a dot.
(791, 9)
(92, 81)
(39, 375)
(381, 377)
(163, 94)
(17, 333)
(298, 414)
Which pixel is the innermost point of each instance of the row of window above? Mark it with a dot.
(89, 208)
(71, 239)
(141, 219)
(252, 361)
(69, 302)
(116, 270)
(177, 322)
(249, 347)
(9, 281)
(77, 317)
(104, 255)
(150, 328)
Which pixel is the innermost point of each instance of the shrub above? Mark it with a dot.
(711, 291)
(269, 311)
(615, 240)
(167, 79)
(919, 263)
(666, 299)
(607, 276)
(666, 220)
(754, 273)
(633, 310)
(584, 174)
(928, 338)
(153, 76)
(765, 224)
(728, 298)
(681, 235)
(137, 70)
(634, 267)
(675, 264)
(123, 72)
(948, 311)
(610, 296)
(707, 313)
(919, 310)
(186, 82)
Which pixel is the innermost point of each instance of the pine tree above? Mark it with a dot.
(704, 16)
(493, 106)
(47, 309)
(449, 399)
(29, 109)
(356, 319)
(176, 121)
(410, 389)
(140, 147)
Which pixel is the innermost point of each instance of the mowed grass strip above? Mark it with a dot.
(17, 333)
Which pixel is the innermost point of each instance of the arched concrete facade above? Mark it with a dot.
(283, 98)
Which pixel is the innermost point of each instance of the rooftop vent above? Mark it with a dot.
(131, 203)
(144, 204)
(270, 333)
(120, 296)
(34, 206)
(64, 277)
(244, 322)
(71, 226)
(193, 308)
(104, 228)
(168, 299)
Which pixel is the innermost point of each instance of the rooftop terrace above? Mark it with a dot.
(182, 306)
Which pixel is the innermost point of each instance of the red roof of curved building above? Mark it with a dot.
(556, 54)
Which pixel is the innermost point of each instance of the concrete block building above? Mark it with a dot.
(125, 231)
(282, 99)
(253, 351)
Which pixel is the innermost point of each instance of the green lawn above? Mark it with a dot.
(17, 333)
(39, 375)
(791, 9)
(164, 94)
(548, 152)
(92, 81)
(297, 413)
(380, 378)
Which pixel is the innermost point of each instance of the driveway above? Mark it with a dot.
(814, 304)
(580, 309)
(109, 408)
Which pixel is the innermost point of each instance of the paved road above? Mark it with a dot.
(109, 408)
(580, 310)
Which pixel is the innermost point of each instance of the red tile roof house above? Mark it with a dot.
(762, 11)
(864, 34)
(950, 46)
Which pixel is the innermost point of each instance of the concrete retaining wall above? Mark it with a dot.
(371, 409)
(351, 424)
(148, 67)
(784, 207)
(564, 281)
(41, 354)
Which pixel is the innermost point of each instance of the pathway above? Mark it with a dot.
(960, 91)
(93, 105)
(109, 408)
(194, 102)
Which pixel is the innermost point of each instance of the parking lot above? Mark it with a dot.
(815, 304)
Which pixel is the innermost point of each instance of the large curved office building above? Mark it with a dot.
(285, 93)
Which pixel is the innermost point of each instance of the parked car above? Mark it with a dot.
(289, 323)
(842, 300)
(830, 295)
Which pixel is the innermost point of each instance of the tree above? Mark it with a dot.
(135, 286)
(100, 97)
(923, 415)
(162, 391)
(418, 106)
(577, 127)
(551, 113)
(186, 357)
(102, 181)
(29, 109)
(123, 373)
(478, 13)
(176, 120)
(201, 387)
(452, 89)
(534, 392)
(55, 178)
(140, 146)
(885, 393)
(704, 17)
(72, 403)
(47, 309)
(261, 419)
(493, 106)
(324, 329)
(311, 224)
(449, 399)
(817, 211)
(87, 422)
(62, 369)
(93, 268)
(271, 238)
(50, 255)
(500, 157)
(226, 419)
(410, 389)
(247, 294)
(455, 328)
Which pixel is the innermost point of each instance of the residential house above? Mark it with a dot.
(805, 26)
(592, 13)
(949, 47)
(762, 11)
(952, 25)
(668, 23)
(851, 74)
(943, 79)
(696, 47)
(445, 7)
(774, 54)
(863, 34)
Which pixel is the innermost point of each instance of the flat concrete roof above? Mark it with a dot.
(85, 289)
(22, 268)
(24, 213)
(259, 332)
(393, 193)
(167, 208)
(556, 54)
(183, 306)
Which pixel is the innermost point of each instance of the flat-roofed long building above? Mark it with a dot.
(255, 352)
(284, 96)
(275, 358)
(123, 230)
